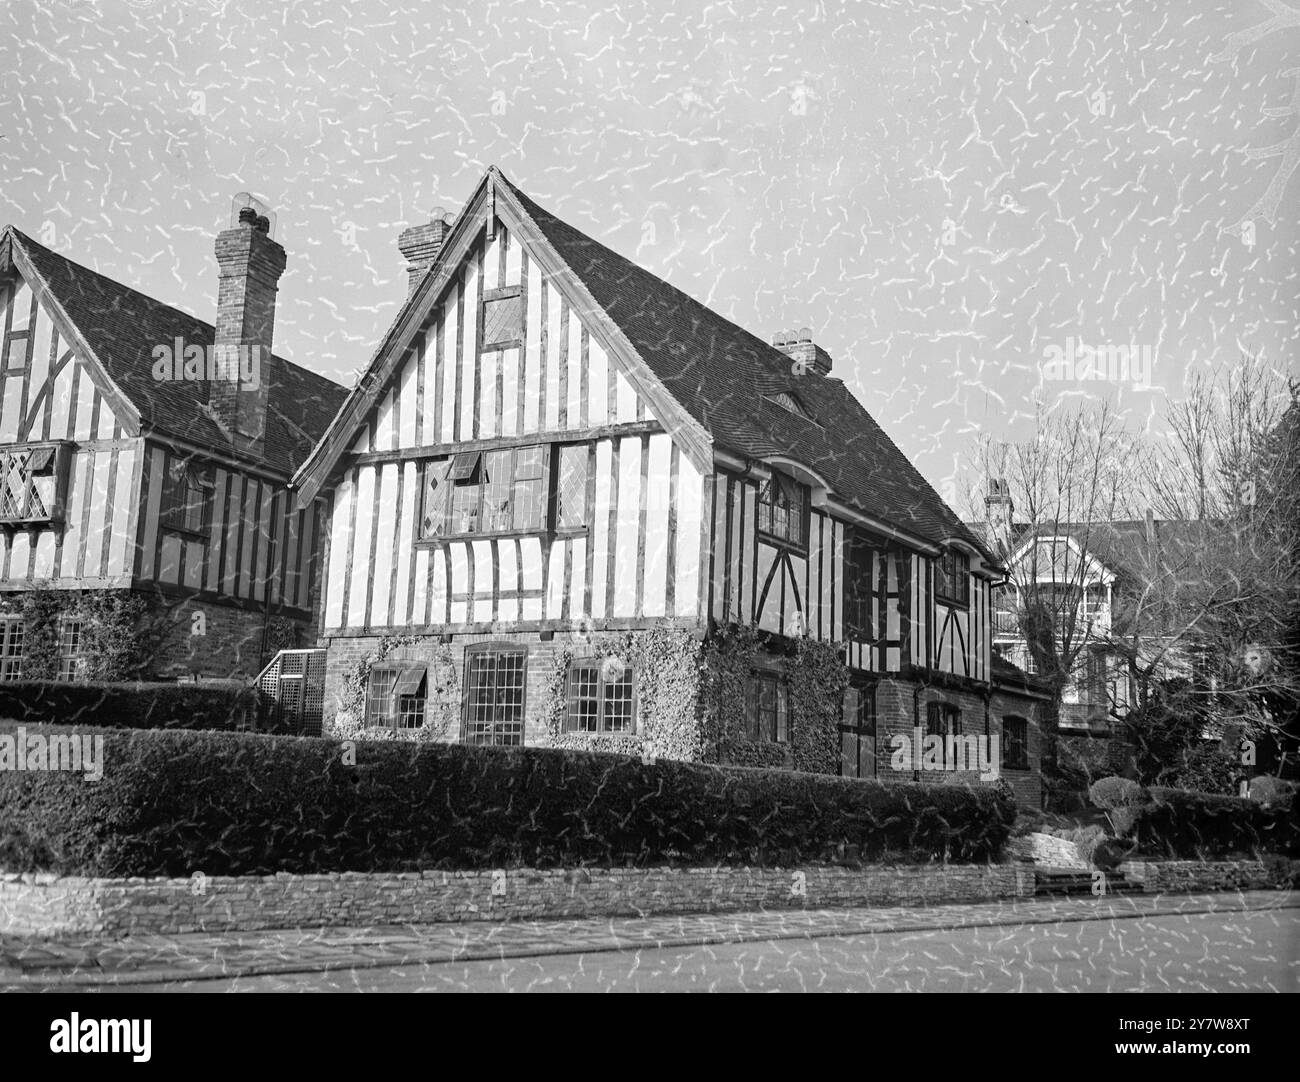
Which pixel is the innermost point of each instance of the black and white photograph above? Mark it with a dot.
(650, 497)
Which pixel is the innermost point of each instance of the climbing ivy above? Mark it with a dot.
(117, 638)
(818, 681)
(442, 704)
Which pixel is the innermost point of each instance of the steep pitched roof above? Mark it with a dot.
(720, 373)
(123, 326)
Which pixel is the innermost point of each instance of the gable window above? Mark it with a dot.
(185, 498)
(858, 732)
(494, 695)
(952, 578)
(395, 696)
(486, 492)
(1015, 743)
(767, 708)
(571, 486)
(942, 719)
(601, 697)
(12, 634)
(71, 648)
(503, 318)
(782, 507)
(31, 483)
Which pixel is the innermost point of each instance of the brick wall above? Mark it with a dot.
(44, 905)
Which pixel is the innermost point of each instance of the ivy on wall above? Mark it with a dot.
(117, 637)
(442, 702)
(667, 666)
(818, 681)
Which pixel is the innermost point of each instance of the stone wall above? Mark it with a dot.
(1173, 876)
(45, 905)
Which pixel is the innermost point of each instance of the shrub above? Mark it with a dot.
(127, 706)
(1111, 793)
(242, 803)
(1268, 790)
(1183, 825)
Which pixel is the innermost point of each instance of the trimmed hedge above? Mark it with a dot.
(1182, 825)
(127, 706)
(240, 803)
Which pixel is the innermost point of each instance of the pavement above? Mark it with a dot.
(36, 965)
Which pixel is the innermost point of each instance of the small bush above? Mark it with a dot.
(172, 803)
(127, 706)
(1270, 791)
(1183, 825)
(1113, 792)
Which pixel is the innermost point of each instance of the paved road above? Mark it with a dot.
(1220, 952)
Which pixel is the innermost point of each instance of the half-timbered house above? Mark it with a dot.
(552, 448)
(126, 471)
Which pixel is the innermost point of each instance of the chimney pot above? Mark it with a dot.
(248, 216)
(800, 348)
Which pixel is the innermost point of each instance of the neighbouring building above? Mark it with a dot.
(141, 500)
(568, 504)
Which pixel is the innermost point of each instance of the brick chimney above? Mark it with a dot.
(806, 354)
(249, 266)
(421, 244)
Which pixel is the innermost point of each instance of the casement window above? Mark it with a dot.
(783, 510)
(942, 719)
(1015, 743)
(858, 587)
(486, 492)
(12, 635)
(185, 498)
(858, 732)
(767, 708)
(602, 695)
(952, 578)
(32, 482)
(494, 695)
(71, 648)
(575, 462)
(396, 695)
(503, 318)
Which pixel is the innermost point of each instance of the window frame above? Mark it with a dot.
(497, 650)
(55, 467)
(945, 713)
(458, 462)
(490, 296)
(952, 567)
(1021, 744)
(866, 724)
(754, 722)
(395, 671)
(602, 721)
(788, 487)
(588, 486)
(859, 589)
(12, 629)
(76, 656)
(183, 476)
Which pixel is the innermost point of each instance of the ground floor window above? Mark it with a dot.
(12, 634)
(1015, 744)
(494, 695)
(858, 732)
(942, 719)
(71, 648)
(767, 708)
(395, 696)
(601, 697)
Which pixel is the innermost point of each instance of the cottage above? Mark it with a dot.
(135, 500)
(568, 504)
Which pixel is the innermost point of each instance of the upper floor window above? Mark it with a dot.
(858, 588)
(952, 577)
(503, 318)
(1015, 744)
(29, 483)
(186, 489)
(506, 491)
(600, 697)
(767, 708)
(12, 635)
(782, 509)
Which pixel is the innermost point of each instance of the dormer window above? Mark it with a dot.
(32, 483)
(783, 510)
(952, 578)
(789, 403)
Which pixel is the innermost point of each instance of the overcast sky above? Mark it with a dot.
(944, 192)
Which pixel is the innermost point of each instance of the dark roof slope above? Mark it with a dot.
(1120, 545)
(123, 326)
(719, 372)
